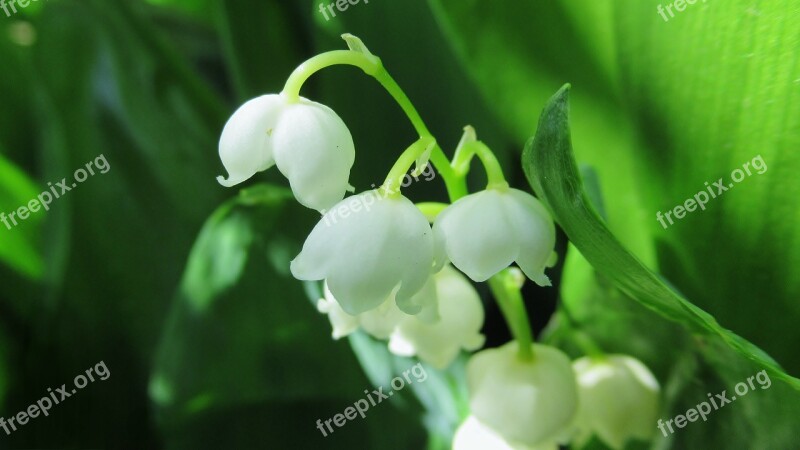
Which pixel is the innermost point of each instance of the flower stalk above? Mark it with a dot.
(506, 289)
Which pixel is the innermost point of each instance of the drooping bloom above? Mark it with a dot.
(529, 402)
(473, 435)
(485, 232)
(308, 142)
(379, 322)
(451, 320)
(461, 317)
(367, 246)
(619, 399)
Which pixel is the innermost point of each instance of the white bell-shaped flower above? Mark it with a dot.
(308, 142)
(530, 402)
(619, 399)
(450, 321)
(379, 322)
(365, 247)
(459, 326)
(473, 435)
(485, 232)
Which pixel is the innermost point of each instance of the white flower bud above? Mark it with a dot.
(461, 317)
(619, 399)
(382, 243)
(308, 142)
(485, 232)
(473, 435)
(529, 402)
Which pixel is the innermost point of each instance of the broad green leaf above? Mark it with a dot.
(549, 163)
(242, 335)
(711, 89)
(239, 314)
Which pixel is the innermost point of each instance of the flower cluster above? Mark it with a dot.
(383, 265)
(396, 269)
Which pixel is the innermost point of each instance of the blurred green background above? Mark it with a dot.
(212, 344)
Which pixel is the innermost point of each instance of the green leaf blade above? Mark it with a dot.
(550, 166)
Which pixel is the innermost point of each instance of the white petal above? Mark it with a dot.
(477, 235)
(412, 237)
(342, 323)
(473, 435)
(382, 321)
(530, 402)
(245, 146)
(427, 299)
(314, 149)
(365, 247)
(461, 318)
(535, 232)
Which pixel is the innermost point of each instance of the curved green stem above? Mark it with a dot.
(391, 186)
(494, 171)
(372, 65)
(369, 64)
(509, 298)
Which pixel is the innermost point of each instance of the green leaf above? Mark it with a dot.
(441, 393)
(239, 316)
(242, 338)
(551, 170)
(689, 367)
(709, 90)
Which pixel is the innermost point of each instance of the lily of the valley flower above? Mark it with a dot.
(379, 322)
(485, 232)
(531, 402)
(619, 398)
(308, 142)
(460, 321)
(435, 337)
(473, 435)
(384, 244)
